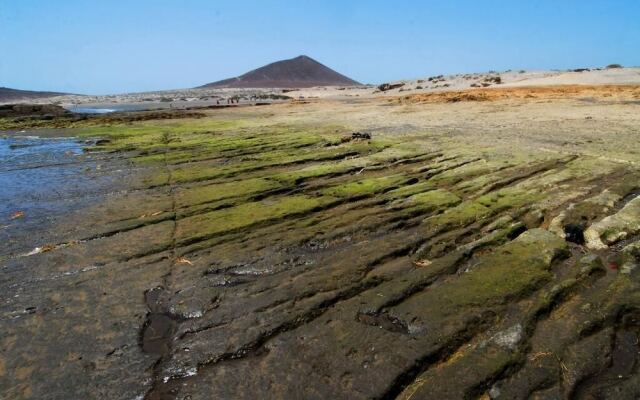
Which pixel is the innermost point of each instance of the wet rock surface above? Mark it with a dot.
(240, 256)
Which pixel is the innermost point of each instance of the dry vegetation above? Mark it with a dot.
(615, 92)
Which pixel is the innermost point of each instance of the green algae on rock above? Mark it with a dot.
(428, 262)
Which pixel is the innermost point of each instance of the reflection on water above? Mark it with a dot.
(87, 110)
(44, 182)
(109, 108)
(28, 151)
(35, 171)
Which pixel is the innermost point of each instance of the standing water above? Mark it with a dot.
(40, 180)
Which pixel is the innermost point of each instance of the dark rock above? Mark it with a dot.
(574, 233)
(361, 136)
(47, 111)
(389, 86)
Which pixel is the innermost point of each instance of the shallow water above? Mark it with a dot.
(35, 171)
(20, 152)
(40, 180)
(87, 110)
(109, 108)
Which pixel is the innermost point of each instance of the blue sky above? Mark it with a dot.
(92, 46)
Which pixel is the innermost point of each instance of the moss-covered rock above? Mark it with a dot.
(616, 227)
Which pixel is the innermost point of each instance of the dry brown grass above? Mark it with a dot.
(618, 92)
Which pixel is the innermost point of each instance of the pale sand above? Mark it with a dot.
(199, 97)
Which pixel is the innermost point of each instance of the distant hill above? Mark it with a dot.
(298, 72)
(7, 94)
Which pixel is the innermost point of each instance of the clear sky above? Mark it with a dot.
(112, 46)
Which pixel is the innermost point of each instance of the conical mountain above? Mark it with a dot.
(298, 72)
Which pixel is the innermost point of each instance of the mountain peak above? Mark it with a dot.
(301, 71)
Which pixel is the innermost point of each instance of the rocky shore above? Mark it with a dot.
(468, 249)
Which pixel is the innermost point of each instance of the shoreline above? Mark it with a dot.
(216, 252)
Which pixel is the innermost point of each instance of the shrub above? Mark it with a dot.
(388, 86)
(494, 79)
